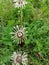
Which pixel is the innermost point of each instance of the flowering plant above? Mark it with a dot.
(24, 25)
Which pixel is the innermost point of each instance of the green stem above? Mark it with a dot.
(18, 16)
(21, 17)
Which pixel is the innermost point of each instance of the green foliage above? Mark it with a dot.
(36, 18)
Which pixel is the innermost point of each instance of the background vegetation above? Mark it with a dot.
(36, 19)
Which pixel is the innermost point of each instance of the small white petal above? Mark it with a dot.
(17, 64)
(24, 59)
(17, 27)
(14, 53)
(12, 33)
(13, 41)
(14, 28)
(12, 63)
(24, 28)
(24, 63)
(14, 0)
(12, 37)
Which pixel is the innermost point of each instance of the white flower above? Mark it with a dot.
(19, 33)
(19, 58)
(19, 3)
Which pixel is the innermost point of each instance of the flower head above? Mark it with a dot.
(19, 3)
(19, 33)
(19, 58)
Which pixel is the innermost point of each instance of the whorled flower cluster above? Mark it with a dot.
(18, 34)
(19, 3)
(19, 58)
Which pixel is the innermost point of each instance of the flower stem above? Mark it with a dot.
(21, 17)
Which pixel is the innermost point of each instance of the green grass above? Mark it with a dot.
(36, 19)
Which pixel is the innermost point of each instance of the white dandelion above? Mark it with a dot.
(19, 3)
(19, 33)
(19, 58)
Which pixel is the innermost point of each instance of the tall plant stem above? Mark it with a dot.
(21, 16)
